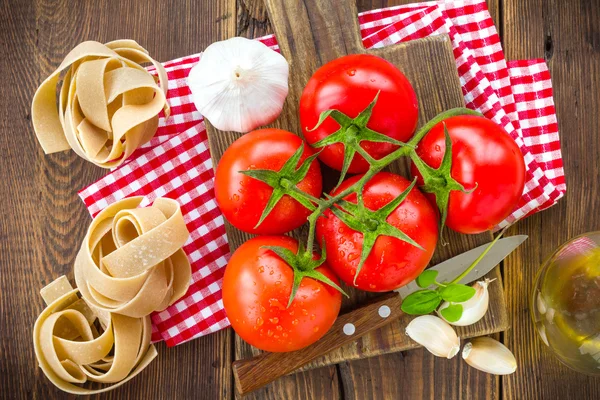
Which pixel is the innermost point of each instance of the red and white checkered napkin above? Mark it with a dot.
(177, 164)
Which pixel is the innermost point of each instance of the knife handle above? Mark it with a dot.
(253, 373)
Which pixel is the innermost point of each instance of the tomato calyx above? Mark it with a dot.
(372, 224)
(439, 180)
(304, 266)
(351, 133)
(284, 182)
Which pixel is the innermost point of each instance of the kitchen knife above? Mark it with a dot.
(252, 374)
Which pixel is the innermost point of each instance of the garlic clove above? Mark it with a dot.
(541, 304)
(473, 309)
(435, 335)
(239, 84)
(489, 355)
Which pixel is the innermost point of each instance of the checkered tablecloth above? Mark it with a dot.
(176, 162)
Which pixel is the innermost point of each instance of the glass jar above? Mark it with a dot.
(565, 303)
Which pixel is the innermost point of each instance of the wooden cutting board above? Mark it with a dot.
(310, 33)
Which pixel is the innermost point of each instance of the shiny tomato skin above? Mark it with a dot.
(349, 84)
(484, 154)
(392, 263)
(256, 290)
(242, 199)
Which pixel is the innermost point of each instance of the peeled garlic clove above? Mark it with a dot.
(489, 355)
(239, 84)
(435, 335)
(473, 309)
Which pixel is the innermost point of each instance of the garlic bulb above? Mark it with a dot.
(473, 309)
(239, 84)
(489, 355)
(435, 335)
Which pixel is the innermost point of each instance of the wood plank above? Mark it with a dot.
(43, 220)
(322, 383)
(567, 35)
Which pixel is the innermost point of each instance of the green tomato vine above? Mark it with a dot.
(372, 224)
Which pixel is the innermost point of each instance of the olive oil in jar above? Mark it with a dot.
(566, 304)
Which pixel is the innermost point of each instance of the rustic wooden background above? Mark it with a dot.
(43, 221)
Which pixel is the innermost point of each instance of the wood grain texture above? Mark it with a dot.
(567, 35)
(43, 221)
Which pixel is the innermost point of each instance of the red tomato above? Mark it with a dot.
(349, 84)
(242, 199)
(392, 262)
(483, 154)
(256, 289)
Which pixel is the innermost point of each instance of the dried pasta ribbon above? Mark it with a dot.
(131, 262)
(73, 342)
(108, 104)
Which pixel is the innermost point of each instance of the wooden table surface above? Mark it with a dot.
(43, 221)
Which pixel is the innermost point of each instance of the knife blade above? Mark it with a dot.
(451, 268)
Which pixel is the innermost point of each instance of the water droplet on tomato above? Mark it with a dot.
(371, 286)
(316, 329)
(271, 272)
(276, 303)
(269, 333)
(279, 328)
(312, 317)
(317, 289)
(261, 269)
(304, 311)
(284, 334)
(262, 309)
(278, 282)
(259, 321)
(340, 230)
(276, 336)
(274, 320)
(295, 322)
(342, 253)
(235, 197)
(437, 147)
(372, 79)
(351, 72)
(353, 256)
(342, 240)
(292, 311)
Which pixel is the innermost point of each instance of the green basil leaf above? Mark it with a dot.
(421, 302)
(452, 313)
(457, 293)
(427, 278)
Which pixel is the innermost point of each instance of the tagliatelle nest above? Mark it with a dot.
(108, 104)
(131, 261)
(130, 264)
(70, 349)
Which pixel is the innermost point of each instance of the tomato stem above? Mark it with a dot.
(351, 133)
(376, 166)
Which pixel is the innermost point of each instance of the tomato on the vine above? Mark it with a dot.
(242, 199)
(349, 84)
(486, 160)
(256, 290)
(392, 262)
